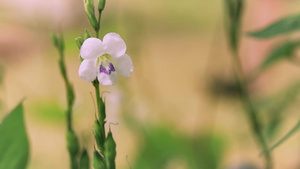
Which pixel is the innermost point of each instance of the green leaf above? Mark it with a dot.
(99, 135)
(84, 161)
(14, 146)
(98, 161)
(277, 105)
(288, 135)
(283, 26)
(110, 151)
(283, 50)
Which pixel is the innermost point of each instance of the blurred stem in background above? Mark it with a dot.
(234, 10)
(72, 140)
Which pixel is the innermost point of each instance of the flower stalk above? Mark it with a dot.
(90, 50)
(234, 10)
(72, 139)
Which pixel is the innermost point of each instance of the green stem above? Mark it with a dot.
(250, 109)
(71, 141)
(99, 24)
(100, 104)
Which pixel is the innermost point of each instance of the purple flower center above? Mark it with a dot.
(107, 69)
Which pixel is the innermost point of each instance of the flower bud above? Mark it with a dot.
(84, 162)
(90, 12)
(54, 38)
(72, 143)
(110, 151)
(99, 135)
(101, 5)
(58, 41)
(98, 161)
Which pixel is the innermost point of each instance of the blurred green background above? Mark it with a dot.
(176, 111)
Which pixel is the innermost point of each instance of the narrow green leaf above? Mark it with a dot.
(98, 161)
(285, 49)
(72, 143)
(99, 135)
(14, 145)
(283, 26)
(276, 105)
(79, 41)
(110, 151)
(86, 35)
(288, 135)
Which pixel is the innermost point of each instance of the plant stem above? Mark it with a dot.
(100, 105)
(250, 109)
(70, 102)
(99, 21)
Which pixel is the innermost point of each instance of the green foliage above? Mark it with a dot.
(233, 15)
(287, 136)
(84, 161)
(90, 13)
(276, 105)
(14, 145)
(110, 151)
(163, 145)
(49, 111)
(101, 5)
(72, 143)
(79, 41)
(205, 151)
(99, 135)
(283, 50)
(283, 26)
(98, 161)
(58, 41)
(72, 140)
(87, 34)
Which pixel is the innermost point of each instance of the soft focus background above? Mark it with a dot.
(176, 111)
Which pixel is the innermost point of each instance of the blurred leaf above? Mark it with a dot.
(275, 105)
(233, 16)
(283, 26)
(288, 135)
(206, 151)
(14, 146)
(163, 146)
(285, 49)
(49, 111)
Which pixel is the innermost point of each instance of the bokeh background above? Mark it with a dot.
(176, 111)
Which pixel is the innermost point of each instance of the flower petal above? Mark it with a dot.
(124, 65)
(108, 79)
(88, 70)
(114, 44)
(91, 48)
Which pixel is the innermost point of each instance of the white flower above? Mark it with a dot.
(104, 59)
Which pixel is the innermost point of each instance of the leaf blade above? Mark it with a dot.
(285, 25)
(14, 144)
(283, 50)
(284, 138)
